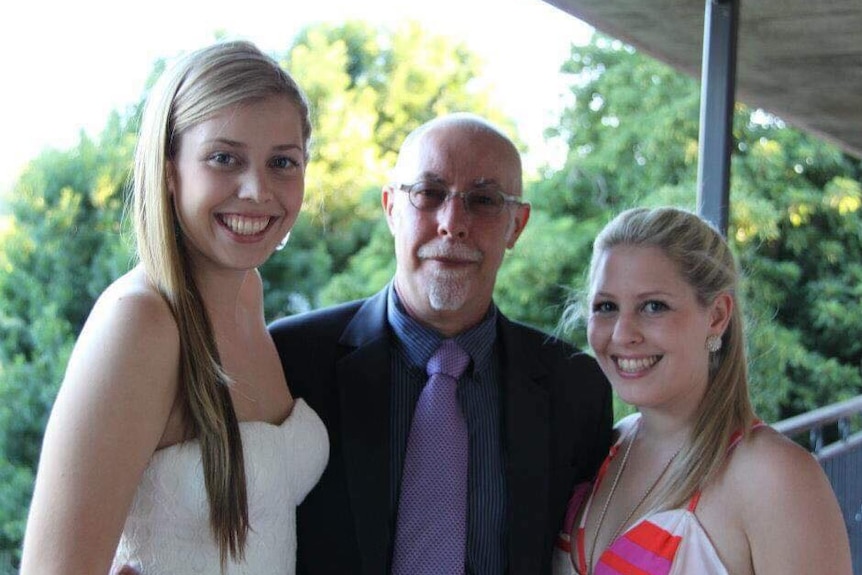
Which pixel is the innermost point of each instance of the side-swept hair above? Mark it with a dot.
(197, 87)
(704, 260)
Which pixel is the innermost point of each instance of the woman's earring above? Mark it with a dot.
(283, 242)
(713, 343)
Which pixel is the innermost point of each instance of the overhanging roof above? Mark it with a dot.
(798, 59)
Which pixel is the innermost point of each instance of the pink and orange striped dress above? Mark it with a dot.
(670, 542)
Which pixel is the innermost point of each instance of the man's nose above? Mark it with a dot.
(453, 219)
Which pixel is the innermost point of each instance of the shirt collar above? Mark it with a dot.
(418, 342)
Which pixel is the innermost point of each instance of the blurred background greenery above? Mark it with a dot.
(631, 132)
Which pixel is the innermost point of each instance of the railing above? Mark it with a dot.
(839, 451)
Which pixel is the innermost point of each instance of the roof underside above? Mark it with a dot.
(801, 60)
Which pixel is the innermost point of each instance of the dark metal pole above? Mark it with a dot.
(717, 95)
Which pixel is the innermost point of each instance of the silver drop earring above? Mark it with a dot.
(283, 242)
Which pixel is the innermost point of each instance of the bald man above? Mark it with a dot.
(538, 411)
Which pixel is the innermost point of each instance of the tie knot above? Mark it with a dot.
(449, 359)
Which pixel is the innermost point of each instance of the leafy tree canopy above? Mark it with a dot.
(631, 133)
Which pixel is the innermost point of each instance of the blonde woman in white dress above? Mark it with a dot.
(174, 442)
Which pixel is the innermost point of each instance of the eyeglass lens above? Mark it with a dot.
(426, 197)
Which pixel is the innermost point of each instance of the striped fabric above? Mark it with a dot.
(647, 548)
(479, 395)
(671, 542)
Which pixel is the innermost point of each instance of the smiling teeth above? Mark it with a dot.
(635, 365)
(245, 225)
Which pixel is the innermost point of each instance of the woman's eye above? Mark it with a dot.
(223, 159)
(284, 162)
(654, 306)
(603, 307)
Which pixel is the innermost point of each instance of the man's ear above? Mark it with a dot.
(387, 198)
(522, 215)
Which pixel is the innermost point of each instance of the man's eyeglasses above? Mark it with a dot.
(480, 202)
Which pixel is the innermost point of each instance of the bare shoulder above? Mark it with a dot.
(129, 335)
(786, 507)
(125, 363)
(133, 297)
(109, 416)
(772, 475)
(767, 459)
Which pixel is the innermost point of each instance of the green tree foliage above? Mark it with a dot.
(369, 87)
(631, 131)
(61, 246)
(63, 236)
(795, 214)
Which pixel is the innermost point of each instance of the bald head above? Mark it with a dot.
(466, 125)
(447, 257)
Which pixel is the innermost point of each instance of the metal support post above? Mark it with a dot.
(717, 95)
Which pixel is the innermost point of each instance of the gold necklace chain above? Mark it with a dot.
(613, 490)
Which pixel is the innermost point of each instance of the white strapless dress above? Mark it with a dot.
(168, 532)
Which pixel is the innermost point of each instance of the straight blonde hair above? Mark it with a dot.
(197, 87)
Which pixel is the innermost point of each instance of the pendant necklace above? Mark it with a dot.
(613, 490)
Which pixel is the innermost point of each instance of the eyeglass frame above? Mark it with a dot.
(508, 199)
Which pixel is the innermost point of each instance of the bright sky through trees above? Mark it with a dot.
(66, 65)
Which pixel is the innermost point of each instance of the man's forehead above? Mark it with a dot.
(460, 154)
(441, 150)
(479, 181)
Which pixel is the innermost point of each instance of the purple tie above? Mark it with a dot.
(431, 533)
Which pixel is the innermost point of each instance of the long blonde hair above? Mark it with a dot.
(198, 86)
(704, 260)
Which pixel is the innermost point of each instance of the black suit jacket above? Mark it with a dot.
(557, 415)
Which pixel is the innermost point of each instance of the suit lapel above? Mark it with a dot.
(364, 383)
(527, 413)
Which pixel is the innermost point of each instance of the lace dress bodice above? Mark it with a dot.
(168, 530)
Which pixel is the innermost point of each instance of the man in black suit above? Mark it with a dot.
(538, 410)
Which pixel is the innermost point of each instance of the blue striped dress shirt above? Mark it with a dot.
(479, 396)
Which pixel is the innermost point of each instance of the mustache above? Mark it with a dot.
(460, 252)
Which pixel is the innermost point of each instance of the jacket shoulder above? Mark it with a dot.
(321, 320)
(548, 347)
